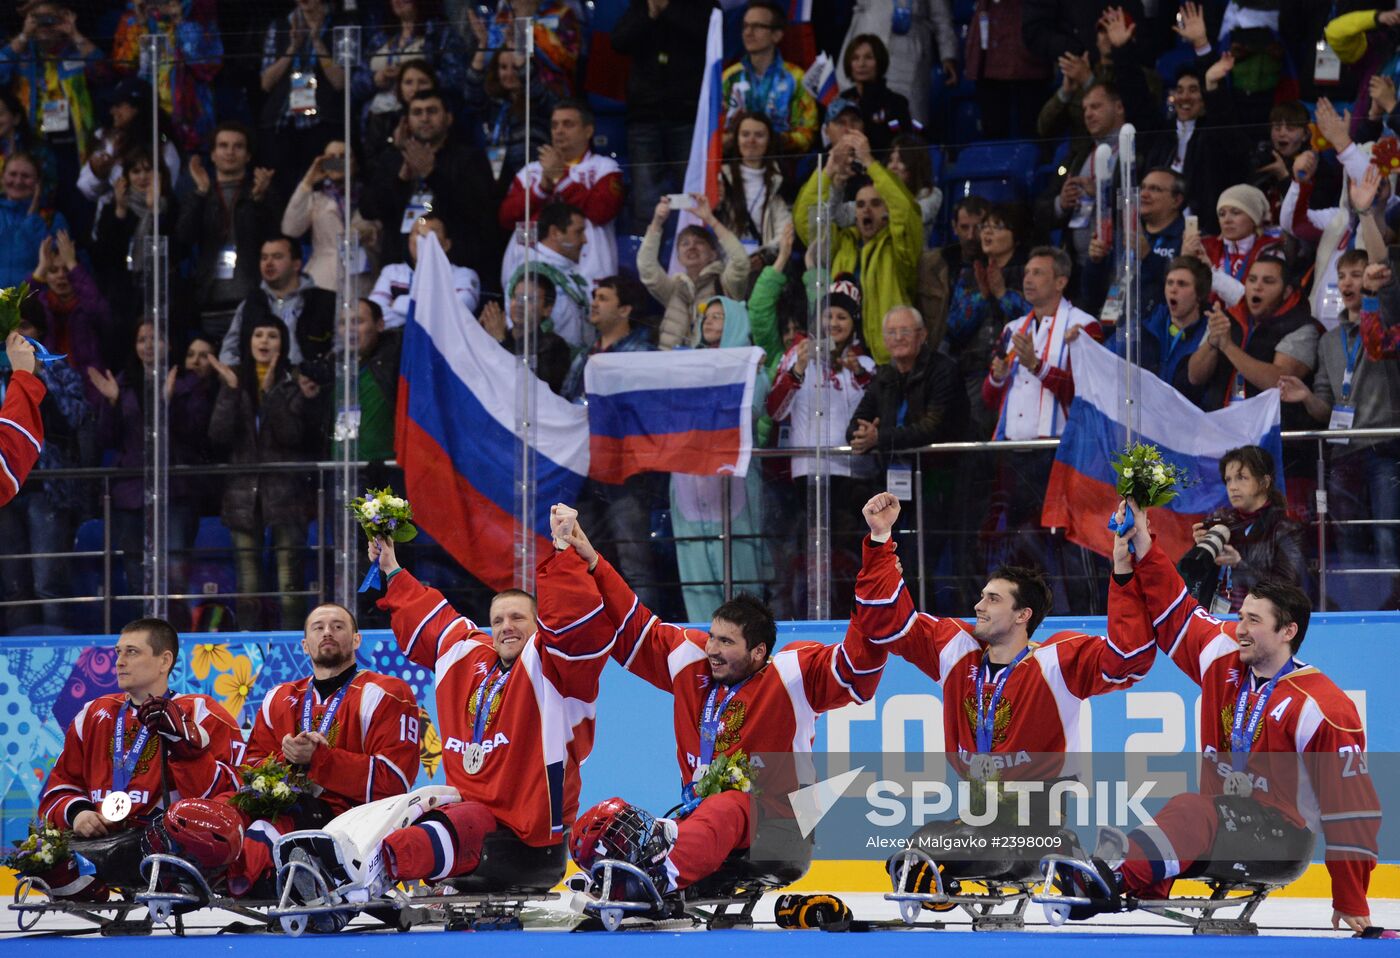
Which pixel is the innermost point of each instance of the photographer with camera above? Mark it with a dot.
(48, 65)
(290, 296)
(1250, 540)
(317, 206)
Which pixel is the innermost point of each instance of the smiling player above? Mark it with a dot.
(732, 692)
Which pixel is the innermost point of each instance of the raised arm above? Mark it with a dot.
(1094, 665)
(884, 612)
(1186, 632)
(642, 643)
(424, 625)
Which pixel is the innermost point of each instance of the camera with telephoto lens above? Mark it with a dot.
(1198, 569)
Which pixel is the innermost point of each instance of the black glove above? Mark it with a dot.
(181, 736)
(812, 911)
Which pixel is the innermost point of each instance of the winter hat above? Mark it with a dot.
(845, 294)
(1251, 199)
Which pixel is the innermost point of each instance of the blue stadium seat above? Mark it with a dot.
(1046, 171)
(211, 566)
(1172, 61)
(627, 247)
(87, 576)
(1010, 164)
(993, 190)
(610, 136)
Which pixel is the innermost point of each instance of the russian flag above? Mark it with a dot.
(1081, 495)
(687, 410)
(820, 80)
(455, 434)
(707, 141)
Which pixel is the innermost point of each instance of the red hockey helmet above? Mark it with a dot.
(615, 829)
(204, 832)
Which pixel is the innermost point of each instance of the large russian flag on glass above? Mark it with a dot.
(455, 433)
(685, 410)
(1081, 497)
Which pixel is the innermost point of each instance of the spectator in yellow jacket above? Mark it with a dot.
(883, 246)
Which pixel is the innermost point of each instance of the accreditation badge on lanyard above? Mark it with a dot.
(1344, 413)
(419, 204)
(1327, 66)
(302, 98)
(57, 116)
(227, 263)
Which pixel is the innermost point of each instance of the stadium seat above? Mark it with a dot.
(1001, 172)
(211, 566)
(1173, 60)
(627, 247)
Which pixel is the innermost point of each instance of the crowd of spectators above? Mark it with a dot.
(947, 297)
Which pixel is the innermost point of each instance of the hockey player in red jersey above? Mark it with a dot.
(732, 691)
(1002, 693)
(129, 755)
(354, 731)
(516, 709)
(1256, 699)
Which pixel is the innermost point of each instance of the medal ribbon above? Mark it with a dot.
(124, 763)
(709, 727)
(987, 711)
(484, 700)
(1242, 739)
(332, 706)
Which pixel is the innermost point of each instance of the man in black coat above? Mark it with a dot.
(665, 40)
(226, 217)
(430, 171)
(1050, 28)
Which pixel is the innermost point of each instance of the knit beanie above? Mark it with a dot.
(845, 294)
(1251, 199)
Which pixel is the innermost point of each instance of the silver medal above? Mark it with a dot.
(116, 806)
(473, 757)
(1239, 783)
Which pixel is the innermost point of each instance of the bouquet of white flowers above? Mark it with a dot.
(382, 515)
(1146, 478)
(269, 789)
(38, 852)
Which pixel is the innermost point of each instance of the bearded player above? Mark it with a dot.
(129, 755)
(354, 731)
(732, 692)
(516, 709)
(1256, 699)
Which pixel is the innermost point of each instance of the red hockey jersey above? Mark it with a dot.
(373, 736)
(539, 725)
(775, 712)
(83, 775)
(21, 432)
(1043, 697)
(1307, 713)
